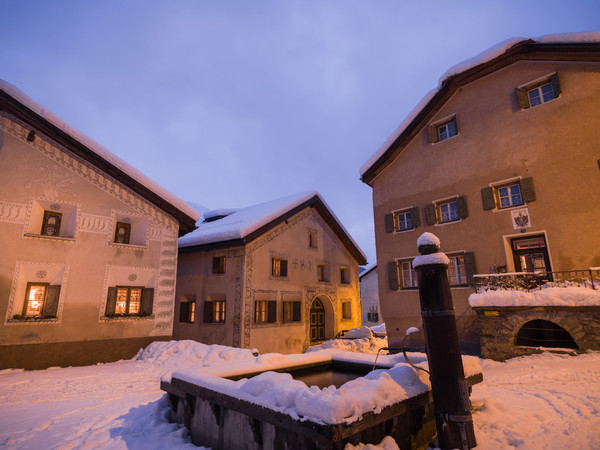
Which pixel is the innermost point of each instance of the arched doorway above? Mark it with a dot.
(317, 321)
(543, 333)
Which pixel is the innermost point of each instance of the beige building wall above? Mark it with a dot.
(84, 260)
(554, 143)
(249, 279)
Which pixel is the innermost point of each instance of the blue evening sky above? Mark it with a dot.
(233, 103)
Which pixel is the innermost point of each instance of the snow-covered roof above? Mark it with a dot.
(100, 153)
(244, 224)
(481, 59)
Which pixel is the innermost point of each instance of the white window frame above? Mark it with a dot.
(412, 274)
(456, 276)
(407, 217)
(439, 207)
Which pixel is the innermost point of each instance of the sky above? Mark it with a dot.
(228, 104)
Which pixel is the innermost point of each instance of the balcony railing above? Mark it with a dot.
(589, 278)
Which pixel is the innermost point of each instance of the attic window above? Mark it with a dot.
(538, 92)
(443, 129)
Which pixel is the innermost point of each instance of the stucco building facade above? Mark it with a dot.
(501, 163)
(369, 297)
(89, 246)
(277, 277)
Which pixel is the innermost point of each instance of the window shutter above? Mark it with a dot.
(555, 85)
(389, 223)
(208, 312)
(111, 301)
(50, 307)
(522, 98)
(430, 215)
(393, 275)
(469, 259)
(434, 136)
(461, 204)
(297, 311)
(527, 190)
(455, 120)
(184, 311)
(284, 267)
(215, 265)
(416, 217)
(487, 198)
(271, 311)
(147, 301)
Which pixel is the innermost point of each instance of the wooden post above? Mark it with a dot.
(452, 406)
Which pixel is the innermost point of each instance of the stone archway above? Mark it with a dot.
(543, 333)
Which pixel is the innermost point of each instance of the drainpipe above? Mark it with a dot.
(452, 406)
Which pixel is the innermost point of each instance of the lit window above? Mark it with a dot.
(265, 311)
(187, 311)
(409, 275)
(457, 273)
(129, 301)
(34, 299)
(218, 265)
(279, 267)
(291, 311)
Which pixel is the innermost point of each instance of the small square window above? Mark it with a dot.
(122, 233)
(51, 223)
(539, 92)
(345, 275)
(372, 317)
(291, 311)
(509, 195)
(443, 130)
(447, 131)
(218, 265)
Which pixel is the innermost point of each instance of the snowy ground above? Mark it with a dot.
(542, 401)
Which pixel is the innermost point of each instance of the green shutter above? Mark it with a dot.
(297, 312)
(469, 259)
(147, 301)
(430, 214)
(111, 301)
(271, 311)
(434, 136)
(555, 85)
(389, 223)
(461, 203)
(50, 306)
(416, 217)
(527, 189)
(393, 275)
(522, 98)
(487, 198)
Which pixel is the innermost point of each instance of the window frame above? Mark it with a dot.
(122, 226)
(129, 290)
(146, 302)
(491, 199)
(436, 129)
(48, 214)
(215, 311)
(219, 264)
(313, 242)
(323, 273)
(451, 213)
(509, 197)
(187, 311)
(291, 311)
(345, 277)
(456, 276)
(347, 310)
(413, 282)
(523, 91)
(31, 284)
(265, 312)
(279, 267)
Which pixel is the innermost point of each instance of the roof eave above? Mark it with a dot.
(525, 50)
(16, 108)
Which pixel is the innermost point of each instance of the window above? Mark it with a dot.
(447, 210)
(456, 270)
(122, 233)
(402, 220)
(373, 317)
(51, 223)
(346, 310)
(508, 194)
(214, 311)
(279, 267)
(442, 130)
(218, 265)
(323, 272)
(125, 301)
(187, 311)
(345, 275)
(538, 92)
(292, 311)
(41, 300)
(265, 311)
(408, 276)
(312, 239)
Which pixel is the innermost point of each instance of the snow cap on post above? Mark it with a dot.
(429, 247)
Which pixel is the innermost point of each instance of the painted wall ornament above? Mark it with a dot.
(520, 218)
(53, 183)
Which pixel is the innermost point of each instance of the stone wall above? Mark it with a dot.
(500, 325)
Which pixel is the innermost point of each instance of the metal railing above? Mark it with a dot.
(589, 278)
